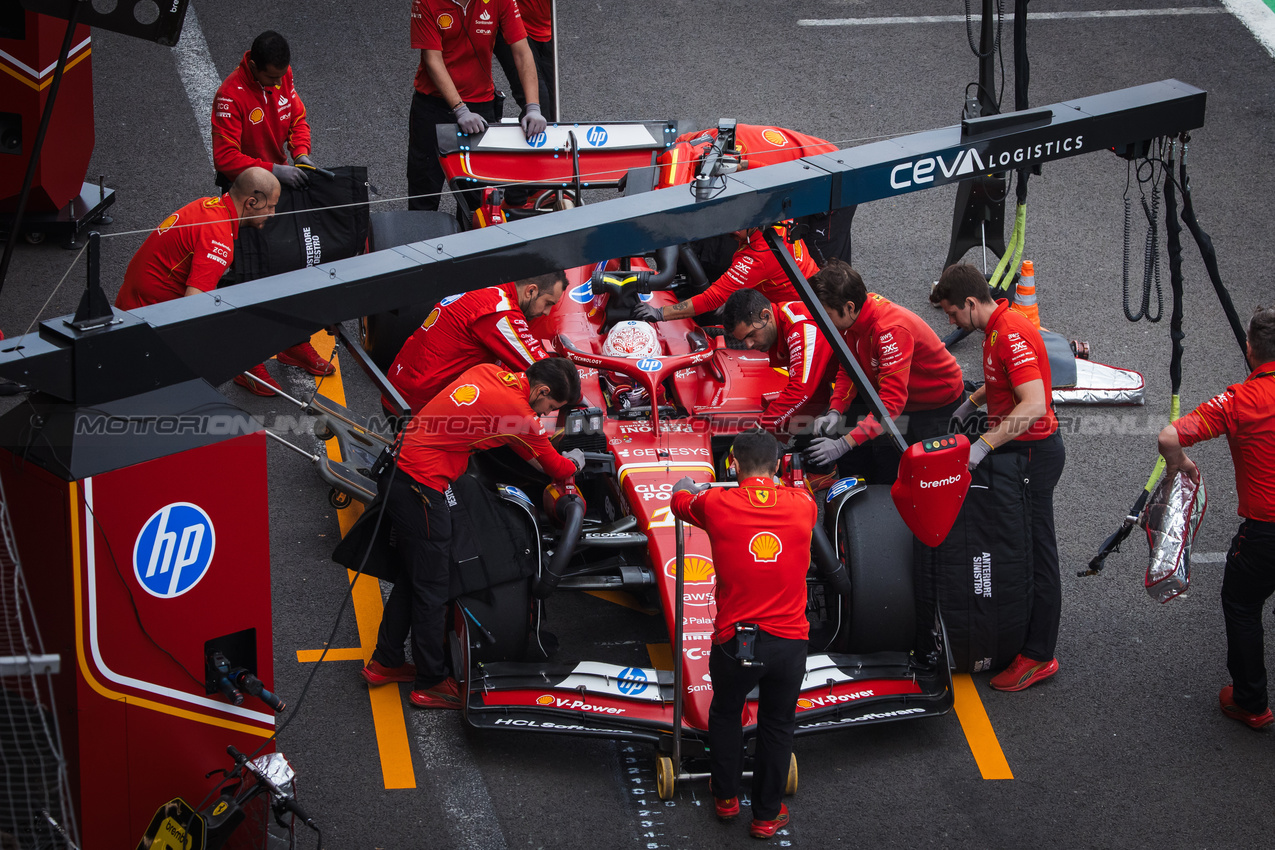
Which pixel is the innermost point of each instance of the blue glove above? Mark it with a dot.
(825, 450)
(644, 312)
(468, 121)
(685, 483)
(826, 424)
(979, 449)
(533, 123)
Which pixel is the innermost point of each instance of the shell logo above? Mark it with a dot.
(544, 700)
(256, 115)
(775, 137)
(765, 546)
(445, 21)
(431, 318)
(465, 394)
(805, 703)
(168, 222)
(699, 570)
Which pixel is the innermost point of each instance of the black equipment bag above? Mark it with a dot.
(323, 222)
(492, 541)
(981, 575)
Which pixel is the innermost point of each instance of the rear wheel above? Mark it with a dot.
(878, 549)
(384, 333)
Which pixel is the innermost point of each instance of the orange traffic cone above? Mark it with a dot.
(1025, 294)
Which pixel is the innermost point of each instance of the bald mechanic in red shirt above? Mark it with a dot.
(484, 326)
(454, 83)
(917, 378)
(753, 267)
(473, 413)
(1017, 388)
(1245, 413)
(193, 247)
(760, 535)
(787, 333)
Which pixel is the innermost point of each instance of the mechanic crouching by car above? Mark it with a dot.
(484, 326)
(1245, 413)
(786, 332)
(454, 83)
(461, 419)
(917, 378)
(1020, 417)
(760, 535)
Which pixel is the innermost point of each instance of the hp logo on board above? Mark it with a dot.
(538, 140)
(174, 550)
(632, 681)
(649, 364)
(596, 136)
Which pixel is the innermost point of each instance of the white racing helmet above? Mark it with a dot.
(632, 339)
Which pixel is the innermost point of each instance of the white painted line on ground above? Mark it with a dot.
(198, 75)
(1259, 19)
(469, 817)
(1033, 16)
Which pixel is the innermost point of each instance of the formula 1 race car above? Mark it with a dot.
(631, 592)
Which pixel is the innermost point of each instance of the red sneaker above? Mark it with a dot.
(765, 829)
(445, 694)
(304, 355)
(376, 673)
(1226, 700)
(727, 810)
(259, 372)
(1022, 673)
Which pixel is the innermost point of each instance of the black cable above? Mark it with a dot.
(969, 31)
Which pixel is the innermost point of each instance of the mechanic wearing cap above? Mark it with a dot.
(1020, 417)
(454, 83)
(484, 326)
(258, 118)
(786, 332)
(1245, 413)
(753, 267)
(193, 247)
(537, 20)
(760, 535)
(436, 447)
(911, 370)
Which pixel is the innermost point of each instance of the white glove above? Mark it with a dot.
(979, 449)
(576, 456)
(685, 483)
(468, 121)
(825, 450)
(533, 123)
(825, 424)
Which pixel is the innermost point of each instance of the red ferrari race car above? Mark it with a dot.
(600, 563)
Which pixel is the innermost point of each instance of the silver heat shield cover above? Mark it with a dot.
(1098, 383)
(1172, 519)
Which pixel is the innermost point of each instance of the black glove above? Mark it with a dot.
(290, 175)
(825, 451)
(533, 123)
(644, 312)
(468, 121)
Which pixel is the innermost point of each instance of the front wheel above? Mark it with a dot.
(665, 777)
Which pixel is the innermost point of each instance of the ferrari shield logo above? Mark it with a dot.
(760, 498)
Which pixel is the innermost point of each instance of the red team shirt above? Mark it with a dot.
(1013, 355)
(756, 268)
(760, 535)
(252, 125)
(1245, 413)
(906, 361)
(807, 356)
(537, 18)
(484, 408)
(483, 326)
(192, 247)
(466, 37)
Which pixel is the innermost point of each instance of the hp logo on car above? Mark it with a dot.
(174, 550)
(632, 681)
(596, 136)
(538, 140)
(583, 293)
(649, 364)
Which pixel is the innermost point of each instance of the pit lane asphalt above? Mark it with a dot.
(1125, 747)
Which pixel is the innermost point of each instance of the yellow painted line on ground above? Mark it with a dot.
(661, 655)
(978, 729)
(620, 597)
(387, 702)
